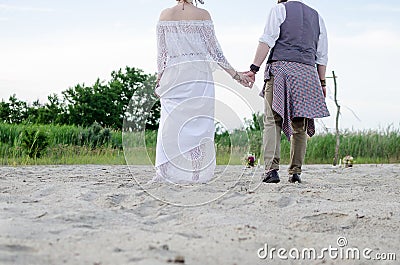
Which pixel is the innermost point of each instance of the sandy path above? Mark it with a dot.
(99, 215)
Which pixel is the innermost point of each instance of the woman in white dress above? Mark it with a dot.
(188, 54)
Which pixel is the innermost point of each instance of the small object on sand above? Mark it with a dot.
(177, 260)
(359, 216)
(250, 160)
(165, 247)
(348, 161)
(42, 215)
(118, 250)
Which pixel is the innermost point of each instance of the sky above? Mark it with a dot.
(47, 46)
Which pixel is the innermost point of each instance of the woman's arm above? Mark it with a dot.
(215, 52)
(161, 52)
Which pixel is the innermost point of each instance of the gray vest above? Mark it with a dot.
(298, 40)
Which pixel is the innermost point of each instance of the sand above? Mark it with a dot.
(100, 215)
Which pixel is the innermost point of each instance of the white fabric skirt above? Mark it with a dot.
(185, 142)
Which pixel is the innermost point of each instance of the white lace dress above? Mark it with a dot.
(188, 53)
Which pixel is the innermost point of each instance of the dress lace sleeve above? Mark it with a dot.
(213, 46)
(162, 50)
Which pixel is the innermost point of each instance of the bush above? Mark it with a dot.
(34, 142)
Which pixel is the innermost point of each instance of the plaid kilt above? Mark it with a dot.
(297, 93)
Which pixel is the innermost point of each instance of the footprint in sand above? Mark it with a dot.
(111, 200)
(285, 202)
(325, 222)
(16, 248)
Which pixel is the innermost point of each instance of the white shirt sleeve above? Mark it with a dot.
(161, 50)
(322, 49)
(273, 27)
(213, 46)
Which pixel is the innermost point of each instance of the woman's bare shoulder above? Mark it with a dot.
(165, 14)
(205, 15)
(194, 13)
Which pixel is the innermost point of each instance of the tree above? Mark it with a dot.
(18, 110)
(5, 111)
(143, 111)
(51, 113)
(135, 89)
(85, 105)
(105, 103)
(33, 111)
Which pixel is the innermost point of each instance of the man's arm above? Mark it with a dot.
(268, 39)
(322, 76)
(321, 71)
(322, 54)
(261, 53)
(259, 58)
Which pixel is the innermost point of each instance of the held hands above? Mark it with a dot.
(244, 79)
(247, 78)
(251, 74)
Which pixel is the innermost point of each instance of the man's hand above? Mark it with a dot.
(251, 74)
(252, 77)
(244, 79)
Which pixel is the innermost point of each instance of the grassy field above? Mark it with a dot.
(51, 145)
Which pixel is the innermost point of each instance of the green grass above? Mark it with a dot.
(96, 145)
(365, 147)
(65, 155)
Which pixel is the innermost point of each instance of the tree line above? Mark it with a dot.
(104, 103)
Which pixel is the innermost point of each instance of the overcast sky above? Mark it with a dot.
(48, 46)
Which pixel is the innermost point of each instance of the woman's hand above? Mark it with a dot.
(157, 85)
(247, 81)
(244, 79)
